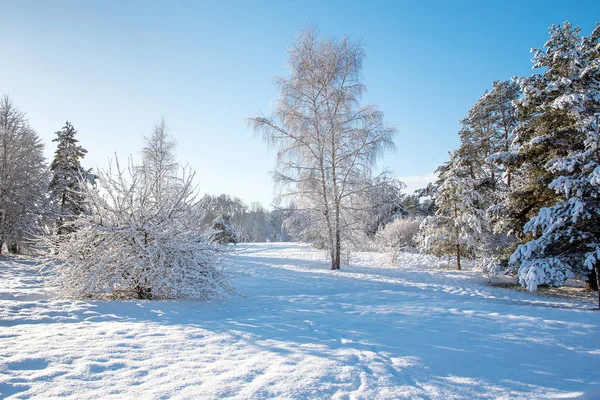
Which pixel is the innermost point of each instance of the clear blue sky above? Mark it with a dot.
(114, 68)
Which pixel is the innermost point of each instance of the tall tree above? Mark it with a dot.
(327, 141)
(543, 132)
(488, 130)
(23, 178)
(500, 104)
(473, 182)
(564, 107)
(486, 136)
(68, 176)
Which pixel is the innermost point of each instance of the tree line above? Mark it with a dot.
(521, 193)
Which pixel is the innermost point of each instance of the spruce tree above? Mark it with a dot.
(67, 177)
(222, 231)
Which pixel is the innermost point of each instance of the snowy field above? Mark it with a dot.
(302, 331)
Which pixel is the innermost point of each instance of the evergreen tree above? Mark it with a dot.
(417, 205)
(222, 231)
(473, 182)
(459, 226)
(68, 176)
(543, 133)
(486, 134)
(563, 104)
(501, 108)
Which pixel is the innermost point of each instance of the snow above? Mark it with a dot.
(301, 331)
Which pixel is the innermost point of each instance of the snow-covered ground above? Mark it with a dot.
(302, 331)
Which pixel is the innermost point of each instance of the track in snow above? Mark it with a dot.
(301, 331)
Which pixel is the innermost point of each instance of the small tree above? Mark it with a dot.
(459, 227)
(222, 231)
(159, 162)
(67, 175)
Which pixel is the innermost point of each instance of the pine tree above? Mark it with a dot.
(500, 103)
(222, 231)
(68, 176)
(459, 227)
(473, 181)
(486, 134)
(543, 133)
(564, 108)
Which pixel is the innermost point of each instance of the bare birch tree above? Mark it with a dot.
(327, 141)
(159, 162)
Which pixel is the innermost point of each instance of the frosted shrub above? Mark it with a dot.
(399, 235)
(142, 235)
(133, 245)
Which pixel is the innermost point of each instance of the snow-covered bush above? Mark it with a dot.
(222, 231)
(134, 245)
(399, 235)
(358, 240)
(306, 226)
(142, 235)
